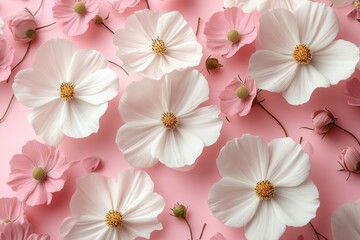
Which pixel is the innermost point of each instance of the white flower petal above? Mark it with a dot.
(177, 148)
(345, 222)
(289, 164)
(203, 123)
(290, 5)
(184, 91)
(317, 23)
(136, 139)
(245, 5)
(233, 202)
(279, 31)
(56, 55)
(48, 121)
(296, 206)
(336, 61)
(272, 71)
(265, 224)
(83, 118)
(306, 81)
(245, 159)
(86, 228)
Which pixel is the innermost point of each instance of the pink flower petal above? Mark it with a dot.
(90, 164)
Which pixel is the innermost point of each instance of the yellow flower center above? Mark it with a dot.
(67, 91)
(265, 190)
(242, 92)
(233, 36)
(302, 54)
(6, 220)
(79, 8)
(356, 4)
(39, 174)
(114, 219)
(158, 46)
(169, 120)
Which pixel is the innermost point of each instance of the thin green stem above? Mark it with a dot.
(107, 27)
(38, 28)
(26, 53)
(188, 224)
(7, 109)
(41, 3)
(278, 122)
(348, 132)
(119, 67)
(318, 235)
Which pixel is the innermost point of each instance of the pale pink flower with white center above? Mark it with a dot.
(11, 210)
(6, 58)
(299, 52)
(345, 222)
(125, 208)
(17, 231)
(226, 32)
(121, 5)
(263, 5)
(37, 173)
(23, 26)
(75, 15)
(238, 97)
(353, 96)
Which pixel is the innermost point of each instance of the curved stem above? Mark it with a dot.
(38, 28)
(119, 67)
(147, 4)
(202, 231)
(197, 28)
(41, 3)
(191, 234)
(107, 27)
(7, 109)
(278, 122)
(348, 132)
(26, 53)
(317, 233)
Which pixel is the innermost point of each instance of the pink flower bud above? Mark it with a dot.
(350, 159)
(90, 164)
(23, 26)
(6, 58)
(323, 120)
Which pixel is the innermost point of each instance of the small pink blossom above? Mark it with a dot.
(350, 159)
(11, 210)
(226, 32)
(23, 26)
(6, 58)
(323, 121)
(238, 97)
(217, 236)
(353, 87)
(75, 15)
(37, 173)
(17, 231)
(90, 164)
(121, 5)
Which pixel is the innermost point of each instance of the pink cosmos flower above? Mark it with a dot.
(226, 32)
(353, 87)
(6, 58)
(11, 210)
(323, 121)
(17, 231)
(75, 15)
(23, 26)
(37, 173)
(121, 5)
(238, 96)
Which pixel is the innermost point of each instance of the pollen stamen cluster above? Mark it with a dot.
(302, 54)
(158, 46)
(356, 5)
(39, 174)
(265, 190)
(80, 8)
(114, 219)
(169, 120)
(67, 91)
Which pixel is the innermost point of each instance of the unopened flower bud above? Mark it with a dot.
(98, 20)
(350, 159)
(212, 64)
(323, 121)
(23, 26)
(179, 211)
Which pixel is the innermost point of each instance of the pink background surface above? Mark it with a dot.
(189, 188)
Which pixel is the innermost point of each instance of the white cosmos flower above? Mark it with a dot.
(106, 209)
(163, 122)
(67, 89)
(262, 184)
(262, 5)
(154, 44)
(345, 222)
(300, 53)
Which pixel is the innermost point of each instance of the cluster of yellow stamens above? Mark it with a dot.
(302, 54)
(67, 91)
(265, 190)
(114, 219)
(80, 8)
(158, 46)
(39, 174)
(169, 120)
(356, 4)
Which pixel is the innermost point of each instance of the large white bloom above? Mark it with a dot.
(345, 222)
(262, 5)
(68, 90)
(300, 53)
(263, 187)
(157, 43)
(163, 122)
(105, 209)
